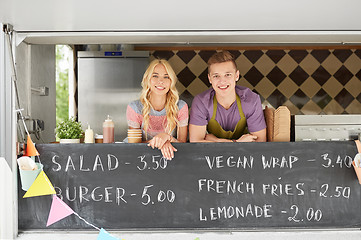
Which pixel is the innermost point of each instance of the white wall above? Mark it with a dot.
(115, 15)
(8, 193)
(35, 66)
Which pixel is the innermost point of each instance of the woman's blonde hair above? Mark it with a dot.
(172, 97)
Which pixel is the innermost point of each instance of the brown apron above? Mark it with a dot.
(216, 129)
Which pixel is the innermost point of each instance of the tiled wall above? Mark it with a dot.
(307, 81)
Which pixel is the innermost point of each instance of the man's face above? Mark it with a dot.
(223, 77)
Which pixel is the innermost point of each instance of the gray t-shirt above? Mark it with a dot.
(202, 110)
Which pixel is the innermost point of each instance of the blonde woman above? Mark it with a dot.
(160, 114)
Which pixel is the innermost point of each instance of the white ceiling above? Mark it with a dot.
(183, 21)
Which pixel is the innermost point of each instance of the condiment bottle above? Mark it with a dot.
(89, 135)
(108, 130)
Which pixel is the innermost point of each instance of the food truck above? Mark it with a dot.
(305, 56)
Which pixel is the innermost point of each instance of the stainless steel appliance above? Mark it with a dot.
(107, 82)
(327, 127)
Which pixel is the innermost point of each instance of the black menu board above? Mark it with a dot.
(206, 186)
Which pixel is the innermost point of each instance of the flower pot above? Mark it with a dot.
(69, 140)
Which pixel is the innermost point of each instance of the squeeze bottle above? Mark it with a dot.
(89, 135)
(108, 130)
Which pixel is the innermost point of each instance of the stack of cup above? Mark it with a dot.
(134, 135)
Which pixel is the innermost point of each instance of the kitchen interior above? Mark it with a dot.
(319, 84)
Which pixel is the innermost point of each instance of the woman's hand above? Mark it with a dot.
(168, 150)
(159, 140)
(247, 138)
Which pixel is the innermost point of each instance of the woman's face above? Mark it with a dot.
(160, 81)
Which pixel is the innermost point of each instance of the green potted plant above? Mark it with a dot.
(69, 131)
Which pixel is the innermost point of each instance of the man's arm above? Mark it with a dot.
(197, 133)
(261, 135)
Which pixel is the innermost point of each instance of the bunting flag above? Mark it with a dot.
(30, 148)
(40, 187)
(58, 211)
(104, 235)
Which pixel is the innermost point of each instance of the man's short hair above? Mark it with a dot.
(221, 57)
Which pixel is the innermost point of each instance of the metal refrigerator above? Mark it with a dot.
(107, 82)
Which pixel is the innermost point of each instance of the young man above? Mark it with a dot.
(225, 112)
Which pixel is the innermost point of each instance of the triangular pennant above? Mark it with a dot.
(58, 210)
(41, 186)
(104, 235)
(30, 148)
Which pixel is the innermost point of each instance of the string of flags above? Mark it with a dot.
(42, 186)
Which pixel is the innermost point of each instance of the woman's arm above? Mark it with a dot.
(182, 133)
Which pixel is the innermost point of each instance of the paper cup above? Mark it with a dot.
(27, 177)
(134, 139)
(134, 135)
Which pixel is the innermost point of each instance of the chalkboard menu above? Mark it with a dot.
(206, 186)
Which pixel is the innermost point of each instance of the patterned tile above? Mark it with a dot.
(186, 76)
(264, 64)
(353, 63)
(180, 87)
(307, 81)
(287, 65)
(321, 75)
(243, 82)
(332, 87)
(310, 87)
(265, 88)
(163, 54)
(311, 108)
(353, 86)
(299, 98)
(293, 109)
(235, 53)
(253, 55)
(204, 78)
(187, 97)
(197, 87)
(205, 55)
(358, 75)
(309, 64)
(358, 53)
(186, 56)
(344, 98)
(342, 54)
(333, 108)
(321, 98)
(276, 99)
(331, 64)
(354, 107)
(343, 75)
(243, 64)
(298, 55)
(253, 76)
(299, 76)
(197, 65)
(275, 55)
(276, 76)
(320, 55)
(177, 64)
(288, 87)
